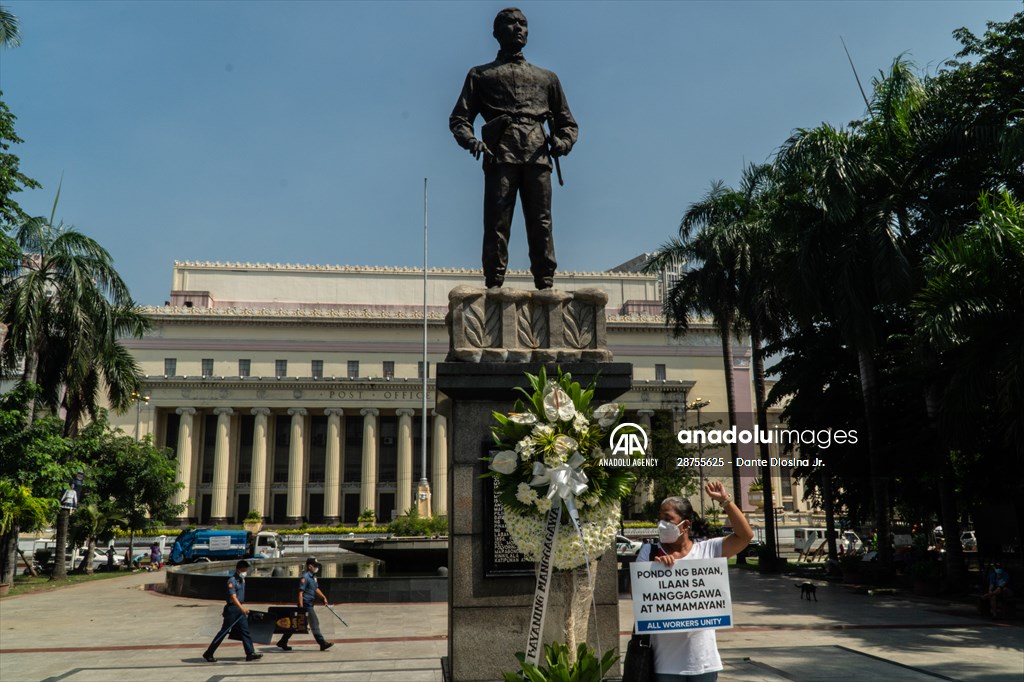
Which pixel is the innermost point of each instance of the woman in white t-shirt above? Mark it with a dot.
(691, 656)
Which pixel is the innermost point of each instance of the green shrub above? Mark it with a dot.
(587, 667)
(333, 530)
(412, 524)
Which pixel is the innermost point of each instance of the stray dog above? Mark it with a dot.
(809, 589)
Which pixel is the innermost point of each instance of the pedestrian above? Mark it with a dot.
(692, 655)
(236, 616)
(155, 559)
(999, 595)
(309, 590)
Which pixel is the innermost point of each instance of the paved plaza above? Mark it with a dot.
(121, 629)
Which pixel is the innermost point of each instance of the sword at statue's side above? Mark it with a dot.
(336, 615)
(551, 148)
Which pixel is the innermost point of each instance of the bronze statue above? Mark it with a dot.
(515, 99)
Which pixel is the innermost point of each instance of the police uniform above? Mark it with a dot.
(308, 585)
(234, 620)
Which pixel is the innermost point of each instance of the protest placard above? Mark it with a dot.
(690, 595)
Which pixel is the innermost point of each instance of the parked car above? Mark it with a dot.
(625, 548)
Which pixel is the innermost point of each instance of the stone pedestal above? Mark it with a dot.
(514, 325)
(488, 616)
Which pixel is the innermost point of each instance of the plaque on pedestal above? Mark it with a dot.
(501, 557)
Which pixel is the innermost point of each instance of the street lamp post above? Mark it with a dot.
(697, 404)
(139, 400)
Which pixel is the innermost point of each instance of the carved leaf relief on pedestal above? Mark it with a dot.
(482, 323)
(472, 317)
(578, 321)
(532, 324)
(492, 327)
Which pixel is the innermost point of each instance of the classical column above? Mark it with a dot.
(332, 474)
(296, 484)
(646, 493)
(258, 480)
(185, 459)
(439, 473)
(368, 489)
(403, 499)
(219, 502)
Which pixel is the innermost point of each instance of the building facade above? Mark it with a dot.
(298, 391)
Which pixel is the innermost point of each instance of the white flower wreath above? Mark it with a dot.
(549, 448)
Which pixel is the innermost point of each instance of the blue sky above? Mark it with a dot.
(301, 132)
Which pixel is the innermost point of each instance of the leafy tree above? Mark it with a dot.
(132, 480)
(92, 523)
(665, 479)
(34, 470)
(19, 510)
(12, 180)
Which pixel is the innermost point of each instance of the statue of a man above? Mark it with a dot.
(515, 99)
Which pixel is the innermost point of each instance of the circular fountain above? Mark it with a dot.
(344, 578)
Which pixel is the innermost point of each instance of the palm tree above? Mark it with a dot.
(78, 372)
(746, 240)
(707, 288)
(760, 301)
(971, 297)
(970, 300)
(64, 306)
(10, 36)
(849, 201)
(65, 300)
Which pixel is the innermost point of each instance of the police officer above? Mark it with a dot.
(309, 590)
(236, 616)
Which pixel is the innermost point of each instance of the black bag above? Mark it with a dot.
(639, 664)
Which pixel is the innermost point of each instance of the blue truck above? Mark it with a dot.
(204, 544)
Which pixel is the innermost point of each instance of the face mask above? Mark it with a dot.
(668, 532)
(242, 575)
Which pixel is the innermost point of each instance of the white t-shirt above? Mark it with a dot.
(687, 653)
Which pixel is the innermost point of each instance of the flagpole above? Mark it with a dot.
(423, 493)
